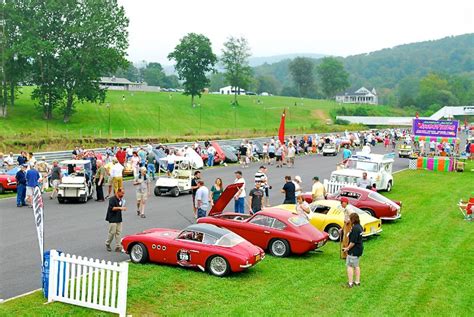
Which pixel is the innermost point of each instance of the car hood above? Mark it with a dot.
(224, 199)
(348, 172)
(161, 233)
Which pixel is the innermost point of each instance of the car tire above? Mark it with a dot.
(279, 248)
(2, 190)
(389, 186)
(324, 154)
(157, 191)
(60, 200)
(218, 266)
(174, 192)
(334, 232)
(138, 253)
(370, 211)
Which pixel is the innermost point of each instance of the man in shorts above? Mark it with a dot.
(354, 251)
(32, 180)
(142, 187)
(56, 176)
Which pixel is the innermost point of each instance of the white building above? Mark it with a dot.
(229, 90)
(361, 95)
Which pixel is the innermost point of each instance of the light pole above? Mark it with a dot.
(200, 116)
(46, 104)
(159, 117)
(235, 117)
(108, 107)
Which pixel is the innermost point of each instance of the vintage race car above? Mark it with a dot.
(326, 215)
(207, 247)
(329, 149)
(279, 232)
(405, 151)
(375, 204)
(8, 180)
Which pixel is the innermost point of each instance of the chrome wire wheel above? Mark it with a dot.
(218, 266)
(278, 248)
(334, 233)
(137, 253)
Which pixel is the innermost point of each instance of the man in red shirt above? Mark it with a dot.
(120, 155)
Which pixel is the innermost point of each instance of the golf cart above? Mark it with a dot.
(329, 149)
(178, 182)
(76, 184)
(405, 151)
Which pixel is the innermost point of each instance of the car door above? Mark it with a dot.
(258, 230)
(187, 249)
(319, 217)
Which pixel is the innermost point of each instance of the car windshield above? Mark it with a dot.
(362, 165)
(298, 220)
(229, 240)
(381, 199)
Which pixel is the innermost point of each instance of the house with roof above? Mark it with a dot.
(361, 95)
(229, 90)
(118, 83)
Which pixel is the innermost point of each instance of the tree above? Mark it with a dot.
(70, 45)
(194, 58)
(301, 70)
(153, 74)
(216, 81)
(407, 91)
(333, 76)
(434, 90)
(267, 83)
(171, 81)
(235, 55)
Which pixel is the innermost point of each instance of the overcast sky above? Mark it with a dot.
(333, 27)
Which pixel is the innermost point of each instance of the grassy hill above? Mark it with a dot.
(141, 115)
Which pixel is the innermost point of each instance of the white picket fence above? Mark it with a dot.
(333, 186)
(87, 282)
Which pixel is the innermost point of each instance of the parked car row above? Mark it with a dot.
(225, 242)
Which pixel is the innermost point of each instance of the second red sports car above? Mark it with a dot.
(279, 232)
(374, 203)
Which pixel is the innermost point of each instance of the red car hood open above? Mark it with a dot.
(224, 199)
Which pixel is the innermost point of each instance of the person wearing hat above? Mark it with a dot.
(142, 186)
(43, 169)
(297, 181)
(347, 226)
(56, 176)
(21, 186)
(318, 191)
(116, 175)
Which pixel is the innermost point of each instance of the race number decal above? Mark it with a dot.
(184, 256)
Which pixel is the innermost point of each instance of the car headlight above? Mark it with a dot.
(8, 179)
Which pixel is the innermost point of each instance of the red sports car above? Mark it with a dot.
(280, 232)
(218, 157)
(374, 203)
(7, 180)
(207, 247)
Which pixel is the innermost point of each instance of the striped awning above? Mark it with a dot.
(436, 139)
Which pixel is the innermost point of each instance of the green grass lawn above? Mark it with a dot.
(419, 265)
(146, 114)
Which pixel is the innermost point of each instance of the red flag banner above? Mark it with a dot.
(281, 131)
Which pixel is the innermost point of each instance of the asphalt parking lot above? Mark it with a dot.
(81, 229)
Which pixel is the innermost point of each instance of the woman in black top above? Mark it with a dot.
(354, 250)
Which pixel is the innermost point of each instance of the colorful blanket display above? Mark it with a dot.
(436, 139)
(436, 163)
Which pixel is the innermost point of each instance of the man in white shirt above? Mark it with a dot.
(239, 198)
(116, 175)
(211, 152)
(201, 200)
(291, 155)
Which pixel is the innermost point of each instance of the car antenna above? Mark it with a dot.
(186, 218)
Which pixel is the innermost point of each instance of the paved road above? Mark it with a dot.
(81, 229)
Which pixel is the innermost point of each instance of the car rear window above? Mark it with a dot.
(381, 199)
(298, 220)
(229, 240)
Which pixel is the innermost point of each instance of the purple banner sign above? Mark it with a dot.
(435, 128)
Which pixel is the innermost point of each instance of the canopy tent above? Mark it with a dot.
(436, 139)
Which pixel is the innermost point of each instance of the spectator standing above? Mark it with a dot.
(129, 152)
(170, 159)
(142, 155)
(239, 198)
(202, 199)
(256, 198)
(271, 153)
(354, 251)
(121, 156)
(194, 187)
(142, 186)
(318, 191)
(265, 153)
(117, 175)
(298, 181)
(216, 191)
(32, 159)
(346, 153)
(100, 177)
(32, 180)
(21, 186)
(114, 217)
(150, 164)
(262, 178)
(347, 225)
(364, 182)
(291, 155)
(243, 155)
(302, 206)
(135, 162)
(289, 191)
(279, 155)
(56, 176)
(22, 159)
(211, 152)
(43, 169)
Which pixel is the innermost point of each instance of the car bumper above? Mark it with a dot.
(375, 232)
(391, 218)
(249, 263)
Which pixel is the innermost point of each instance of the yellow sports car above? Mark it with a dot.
(328, 215)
